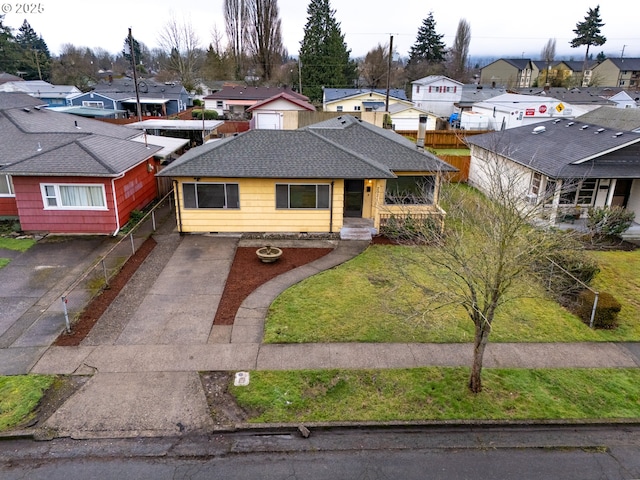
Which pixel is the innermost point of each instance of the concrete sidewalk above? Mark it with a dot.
(145, 353)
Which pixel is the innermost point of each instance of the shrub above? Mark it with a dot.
(197, 102)
(208, 114)
(560, 284)
(414, 229)
(607, 310)
(609, 221)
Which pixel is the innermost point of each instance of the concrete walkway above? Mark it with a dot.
(145, 353)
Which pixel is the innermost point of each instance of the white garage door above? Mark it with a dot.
(405, 123)
(269, 121)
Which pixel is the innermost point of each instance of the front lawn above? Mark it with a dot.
(372, 299)
(19, 397)
(439, 394)
(19, 245)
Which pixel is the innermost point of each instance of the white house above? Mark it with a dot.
(406, 118)
(514, 110)
(269, 114)
(436, 94)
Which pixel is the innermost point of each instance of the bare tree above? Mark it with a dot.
(236, 23)
(180, 41)
(265, 37)
(484, 256)
(218, 64)
(374, 68)
(548, 54)
(460, 51)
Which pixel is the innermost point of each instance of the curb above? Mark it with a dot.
(307, 429)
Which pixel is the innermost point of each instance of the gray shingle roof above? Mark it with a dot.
(330, 149)
(42, 142)
(331, 94)
(567, 150)
(614, 118)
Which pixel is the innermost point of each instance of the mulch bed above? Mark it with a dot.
(99, 304)
(248, 273)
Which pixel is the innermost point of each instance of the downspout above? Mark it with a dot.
(115, 203)
(331, 208)
(175, 192)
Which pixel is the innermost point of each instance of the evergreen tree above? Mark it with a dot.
(137, 52)
(35, 58)
(588, 33)
(324, 55)
(9, 50)
(428, 52)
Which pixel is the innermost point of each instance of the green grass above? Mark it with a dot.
(371, 299)
(440, 394)
(453, 151)
(21, 245)
(19, 396)
(4, 262)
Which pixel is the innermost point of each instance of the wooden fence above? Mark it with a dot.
(461, 162)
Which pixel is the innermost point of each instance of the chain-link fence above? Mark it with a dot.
(122, 247)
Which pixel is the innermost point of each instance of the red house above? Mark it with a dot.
(65, 174)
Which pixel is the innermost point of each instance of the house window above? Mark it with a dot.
(536, 180)
(356, 108)
(417, 88)
(429, 89)
(587, 191)
(410, 190)
(296, 195)
(219, 104)
(93, 104)
(83, 197)
(6, 186)
(211, 195)
(339, 108)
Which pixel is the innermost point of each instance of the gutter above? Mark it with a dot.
(115, 203)
(175, 193)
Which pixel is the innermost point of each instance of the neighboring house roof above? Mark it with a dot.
(40, 89)
(163, 124)
(434, 79)
(232, 92)
(626, 63)
(519, 63)
(395, 108)
(283, 96)
(342, 147)
(478, 93)
(37, 141)
(7, 77)
(575, 96)
(567, 149)
(615, 118)
(87, 111)
(332, 94)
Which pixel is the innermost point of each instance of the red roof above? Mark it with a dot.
(297, 100)
(252, 93)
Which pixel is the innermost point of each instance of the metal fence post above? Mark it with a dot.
(133, 246)
(66, 314)
(104, 271)
(593, 311)
(153, 219)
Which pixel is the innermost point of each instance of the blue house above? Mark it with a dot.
(156, 99)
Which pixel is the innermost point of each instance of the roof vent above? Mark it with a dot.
(557, 120)
(539, 129)
(570, 123)
(584, 127)
(26, 109)
(600, 130)
(76, 124)
(618, 134)
(39, 149)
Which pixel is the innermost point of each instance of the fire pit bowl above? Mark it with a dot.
(269, 254)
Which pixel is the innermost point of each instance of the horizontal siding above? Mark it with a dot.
(8, 207)
(257, 212)
(34, 218)
(137, 189)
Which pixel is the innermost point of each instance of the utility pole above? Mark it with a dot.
(386, 101)
(135, 76)
(299, 75)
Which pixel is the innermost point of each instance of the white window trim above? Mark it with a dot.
(289, 207)
(226, 197)
(58, 197)
(93, 104)
(12, 193)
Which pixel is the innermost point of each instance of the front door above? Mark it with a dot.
(621, 192)
(353, 197)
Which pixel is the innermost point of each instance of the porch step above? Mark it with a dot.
(355, 233)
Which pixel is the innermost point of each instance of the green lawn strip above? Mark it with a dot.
(453, 151)
(620, 276)
(439, 394)
(19, 397)
(372, 298)
(19, 245)
(4, 262)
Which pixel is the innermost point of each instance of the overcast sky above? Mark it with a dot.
(498, 28)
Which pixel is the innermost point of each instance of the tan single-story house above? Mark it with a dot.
(304, 181)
